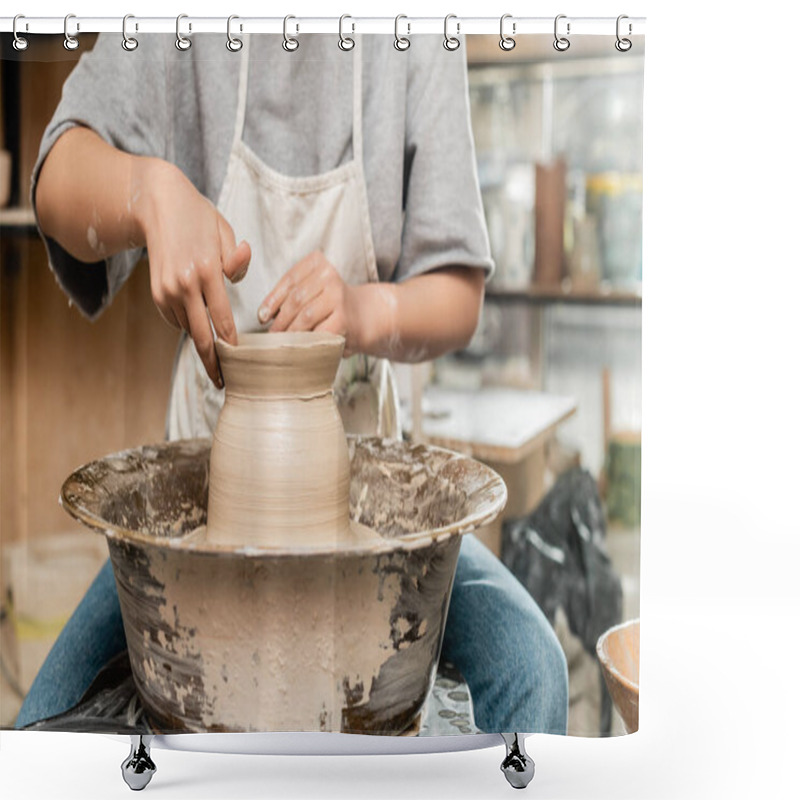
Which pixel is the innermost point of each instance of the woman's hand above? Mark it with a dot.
(96, 200)
(191, 249)
(416, 320)
(312, 296)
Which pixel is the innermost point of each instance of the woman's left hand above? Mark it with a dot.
(312, 296)
(416, 320)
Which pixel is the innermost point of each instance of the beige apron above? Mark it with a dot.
(284, 219)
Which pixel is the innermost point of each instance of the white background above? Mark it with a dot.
(720, 601)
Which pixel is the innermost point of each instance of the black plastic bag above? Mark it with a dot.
(558, 553)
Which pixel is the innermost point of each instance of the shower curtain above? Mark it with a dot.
(156, 187)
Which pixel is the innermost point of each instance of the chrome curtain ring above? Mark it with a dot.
(561, 43)
(181, 42)
(290, 43)
(70, 42)
(20, 42)
(401, 43)
(507, 42)
(233, 44)
(623, 45)
(346, 43)
(451, 43)
(129, 43)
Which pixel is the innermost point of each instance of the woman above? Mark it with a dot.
(314, 190)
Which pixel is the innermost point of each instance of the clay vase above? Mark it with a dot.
(280, 470)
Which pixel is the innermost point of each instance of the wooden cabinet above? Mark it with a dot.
(70, 390)
(73, 390)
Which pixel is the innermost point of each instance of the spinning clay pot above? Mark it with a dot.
(280, 472)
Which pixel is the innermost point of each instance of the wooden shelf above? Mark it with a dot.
(603, 295)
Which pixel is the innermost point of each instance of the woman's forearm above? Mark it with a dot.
(96, 201)
(88, 196)
(421, 318)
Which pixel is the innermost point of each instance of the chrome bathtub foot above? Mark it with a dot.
(517, 766)
(138, 768)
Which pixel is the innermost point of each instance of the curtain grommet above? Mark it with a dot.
(401, 43)
(129, 43)
(181, 42)
(507, 43)
(560, 43)
(346, 43)
(451, 43)
(623, 44)
(20, 42)
(290, 43)
(233, 44)
(70, 41)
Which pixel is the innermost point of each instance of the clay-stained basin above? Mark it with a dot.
(618, 651)
(335, 638)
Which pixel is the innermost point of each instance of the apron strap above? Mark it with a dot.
(358, 153)
(241, 103)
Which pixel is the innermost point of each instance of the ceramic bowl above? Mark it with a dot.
(618, 651)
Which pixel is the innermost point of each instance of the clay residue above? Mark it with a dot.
(260, 644)
(155, 493)
(355, 535)
(244, 639)
(404, 492)
(417, 624)
(283, 644)
(167, 672)
(158, 490)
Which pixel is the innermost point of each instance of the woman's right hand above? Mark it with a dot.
(191, 250)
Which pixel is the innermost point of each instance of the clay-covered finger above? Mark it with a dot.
(200, 331)
(219, 308)
(161, 300)
(312, 314)
(298, 299)
(236, 265)
(227, 238)
(179, 314)
(235, 258)
(168, 315)
(273, 302)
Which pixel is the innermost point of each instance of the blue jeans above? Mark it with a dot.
(496, 636)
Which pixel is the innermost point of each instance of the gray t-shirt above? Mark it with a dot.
(424, 201)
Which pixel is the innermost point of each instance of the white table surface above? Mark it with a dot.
(497, 422)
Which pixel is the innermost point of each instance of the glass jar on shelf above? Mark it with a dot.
(615, 199)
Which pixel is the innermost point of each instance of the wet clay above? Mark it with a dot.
(357, 535)
(280, 472)
(274, 645)
(278, 637)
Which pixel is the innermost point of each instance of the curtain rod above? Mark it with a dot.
(456, 26)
